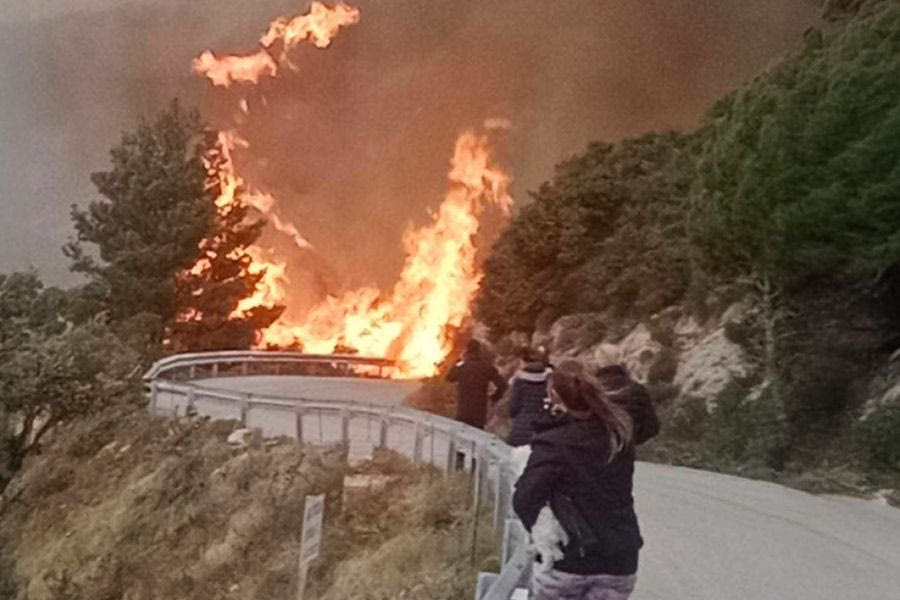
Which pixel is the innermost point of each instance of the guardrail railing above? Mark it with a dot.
(216, 364)
(422, 437)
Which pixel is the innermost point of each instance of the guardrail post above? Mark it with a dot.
(451, 453)
(154, 391)
(417, 443)
(345, 426)
(480, 474)
(192, 372)
(298, 420)
(244, 369)
(245, 408)
(215, 369)
(190, 402)
(500, 496)
(383, 432)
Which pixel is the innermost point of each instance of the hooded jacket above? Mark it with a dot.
(528, 392)
(572, 461)
(472, 375)
(635, 399)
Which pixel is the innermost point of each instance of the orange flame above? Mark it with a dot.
(436, 286)
(319, 26)
(414, 323)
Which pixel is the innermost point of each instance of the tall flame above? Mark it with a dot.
(414, 323)
(319, 26)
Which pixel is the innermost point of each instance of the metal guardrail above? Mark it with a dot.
(423, 437)
(215, 362)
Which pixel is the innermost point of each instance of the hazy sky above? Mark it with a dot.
(356, 144)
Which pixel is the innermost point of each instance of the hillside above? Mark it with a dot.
(748, 270)
(126, 505)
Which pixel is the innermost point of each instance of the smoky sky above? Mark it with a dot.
(356, 143)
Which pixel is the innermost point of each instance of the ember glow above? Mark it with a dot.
(414, 322)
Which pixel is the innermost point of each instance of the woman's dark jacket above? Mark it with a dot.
(526, 402)
(634, 398)
(571, 461)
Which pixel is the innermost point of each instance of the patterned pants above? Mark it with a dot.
(556, 585)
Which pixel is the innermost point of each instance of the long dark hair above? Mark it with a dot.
(584, 398)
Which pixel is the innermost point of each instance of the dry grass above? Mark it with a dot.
(133, 507)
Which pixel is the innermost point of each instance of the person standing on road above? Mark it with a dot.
(583, 468)
(473, 374)
(621, 389)
(528, 396)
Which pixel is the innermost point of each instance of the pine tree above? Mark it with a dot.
(157, 219)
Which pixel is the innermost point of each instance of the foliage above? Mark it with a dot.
(797, 173)
(127, 505)
(605, 234)
(880, 436)
(425, 548)
(157, 219)
(51, 378)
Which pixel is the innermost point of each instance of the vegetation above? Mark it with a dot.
(786, 194)
(126, 505)
(52, 370)
(605, 234)
(157, 222)
(66, 354)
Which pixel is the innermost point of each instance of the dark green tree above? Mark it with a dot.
(52, 369)
(796, 192)
(157, 219)
(607, 234)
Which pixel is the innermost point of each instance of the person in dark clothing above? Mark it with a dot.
(583, 468)
(528, 398)
(473, 374)
(619, 387)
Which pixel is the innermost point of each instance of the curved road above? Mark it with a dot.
(711, 536)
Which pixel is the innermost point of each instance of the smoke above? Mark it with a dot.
(356, 145)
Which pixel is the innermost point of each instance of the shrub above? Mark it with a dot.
(664, 367)
(687, 422)
(880, 436)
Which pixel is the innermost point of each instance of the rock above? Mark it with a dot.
(636, 351)
(572, 334)
(240, 437)
(707, 367)
(688, 332)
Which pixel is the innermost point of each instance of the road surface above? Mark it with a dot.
(708, 536)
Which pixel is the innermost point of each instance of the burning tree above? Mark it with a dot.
(170, 261)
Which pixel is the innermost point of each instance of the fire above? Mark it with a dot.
(319, 26)
(412, 324)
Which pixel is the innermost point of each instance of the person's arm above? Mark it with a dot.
(515, 399)
(643, 414)
(453, 373)
(500, 384)
(535, 487)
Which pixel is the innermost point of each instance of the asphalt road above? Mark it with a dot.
(708, 536)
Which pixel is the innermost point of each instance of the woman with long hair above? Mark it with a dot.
(583, 469)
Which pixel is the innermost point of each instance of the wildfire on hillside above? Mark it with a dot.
(414, 322)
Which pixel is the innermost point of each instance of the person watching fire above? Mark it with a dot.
(473, 374)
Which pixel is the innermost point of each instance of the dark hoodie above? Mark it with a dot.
(473, 374)
(633, 397)
(571, 461)
(526, 402)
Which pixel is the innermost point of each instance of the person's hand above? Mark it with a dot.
(557, 408)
